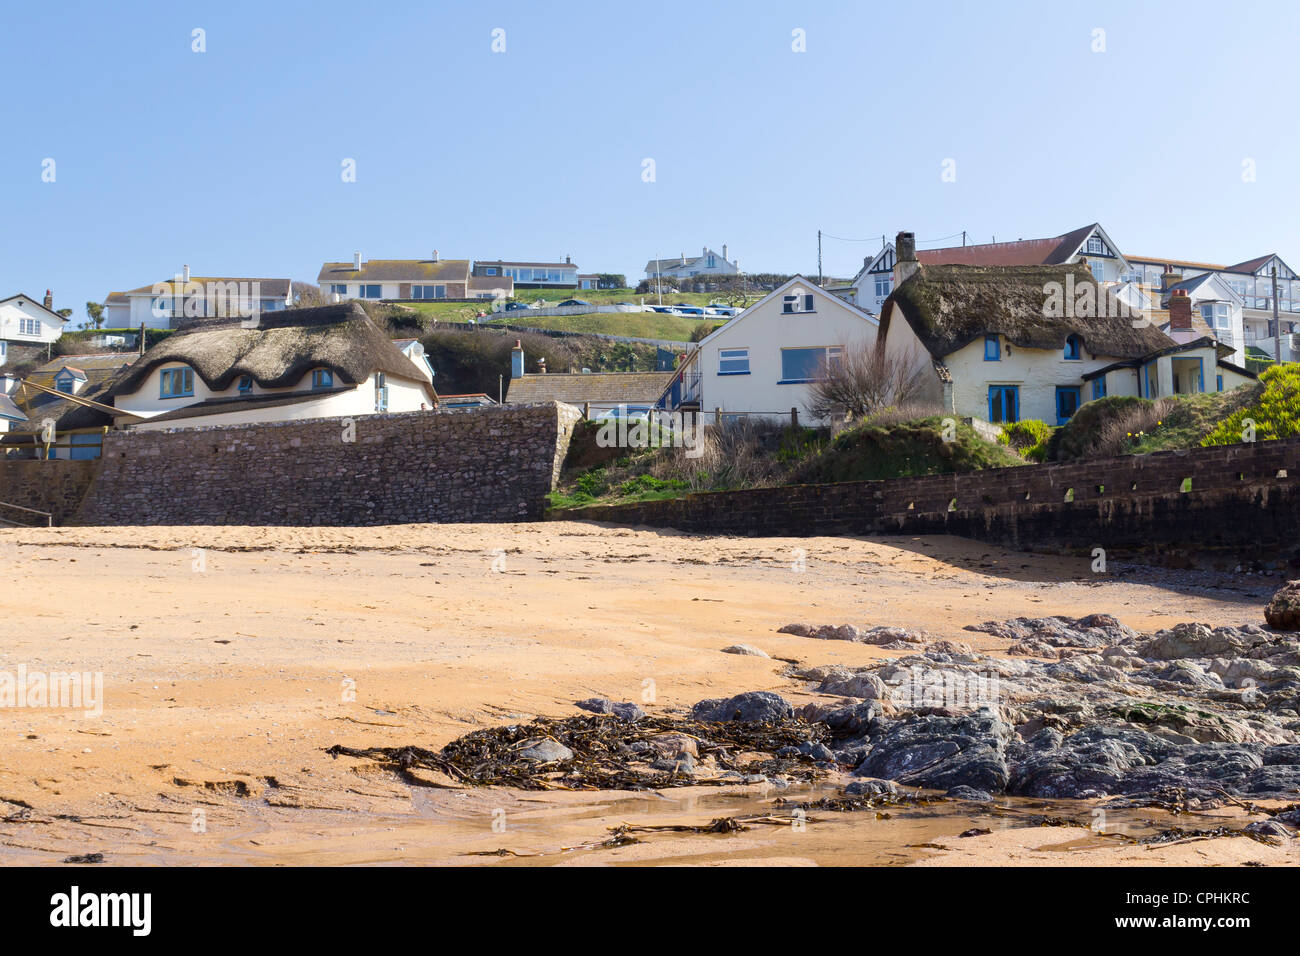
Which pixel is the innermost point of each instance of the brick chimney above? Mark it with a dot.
(905, 262)
(49, 300)
(1180, 311)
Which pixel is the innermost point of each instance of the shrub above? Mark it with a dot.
(1028, 438)
(1275, 412)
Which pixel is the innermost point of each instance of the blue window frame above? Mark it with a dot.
(992, 348)
(368, 291)
(805, 364)
(733, 361)
(1072, 349)
(245, 384)
(177, 383)
(1099, 387)
(322, 378)
(1004, 404)
(1067, 402)
(1218, 381)
(339, 288)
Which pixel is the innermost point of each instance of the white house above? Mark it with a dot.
(164, 304)
(707, 263)
(409, 279)
(304, 363)
(529, 275)
(762, 361)
(1008, 343)
(26, 326)
(869, 289)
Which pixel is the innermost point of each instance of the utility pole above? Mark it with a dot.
(819, 257)
(659, 279)
(1277, 325)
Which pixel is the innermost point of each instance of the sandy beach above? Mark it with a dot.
(233, 658)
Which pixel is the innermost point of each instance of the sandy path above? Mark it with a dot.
(228, 670)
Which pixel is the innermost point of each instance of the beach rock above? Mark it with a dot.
(1283, 612)
(871, 788)
(863, 686)
(943, 752)
(969, 793)
(1041, 636)
(603, 705)
(853, 721)
(545, 750)
(881, 634)
(754, 706)
(1199, 640)
(748, 650)
(1271, 832)
(681, 763)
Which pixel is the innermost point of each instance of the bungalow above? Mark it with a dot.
(762, 361)
(707, 263)
(1015, 342)
(595, 391)
(417, 279)
(303, 363)
(27, 327)
(165, 304)
(530, 275)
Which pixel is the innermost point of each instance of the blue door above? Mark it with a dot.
(1004, 403)
(1067, 402)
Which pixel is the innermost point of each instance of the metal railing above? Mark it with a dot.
(49, 518)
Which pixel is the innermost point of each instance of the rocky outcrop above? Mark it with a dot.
(1283, 612)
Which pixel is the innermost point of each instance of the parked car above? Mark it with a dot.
(665, 309)
(515, 306)
(684, 309)
(568, 302)
(715, 308)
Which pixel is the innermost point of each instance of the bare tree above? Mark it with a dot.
(864, 379)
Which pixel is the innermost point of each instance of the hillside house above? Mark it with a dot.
(762, 361)
(27, 328)
(1007, 343)
(530, 275)
(64, 406)
(707, 263)
(401, 279)
(168, 303)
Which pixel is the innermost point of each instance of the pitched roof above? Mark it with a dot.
(643, 388)
(9, 410)
(36, 302)
(950, 306)
(66, 413)
(679, 262)
(396, 270)
(280, 351)
(506, 262)
(97, 368)
(1250, 265)
(266, 288)
(1023, 252)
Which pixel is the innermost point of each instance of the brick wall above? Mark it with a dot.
(1241, 496)
(54, 486)
(481, 464)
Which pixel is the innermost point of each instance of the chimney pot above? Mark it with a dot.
(356, 262)
(724, 252)
(185, 274)
(49, 300)
(905, 262)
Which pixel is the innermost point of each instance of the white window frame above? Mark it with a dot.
(736, 355)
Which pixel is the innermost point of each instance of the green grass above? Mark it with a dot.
(587, 490)
(903, 450)
(1028, 438)
(1275, 413)
(642, 325)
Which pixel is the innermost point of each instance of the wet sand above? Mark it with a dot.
(229, 670)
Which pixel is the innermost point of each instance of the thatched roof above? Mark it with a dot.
(284, 347)
(67, 414)
(950, 306)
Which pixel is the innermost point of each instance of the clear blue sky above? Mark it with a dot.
(229, 160)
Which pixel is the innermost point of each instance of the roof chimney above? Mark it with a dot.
(435, 255)
(541, 365)
(1180, 311)
(568, 261)
(683, 258)
(185, 274)
(356, 262)
(517, 360)
(904, 257)
(724, 252)
(49, 300)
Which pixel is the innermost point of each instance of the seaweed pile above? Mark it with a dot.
(607, 752)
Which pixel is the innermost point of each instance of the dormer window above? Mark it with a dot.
(177, 383)
(992, 348)
(1073, 349)
(245, 384)
(1096, 246)
(322, 378)
(797, 302)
